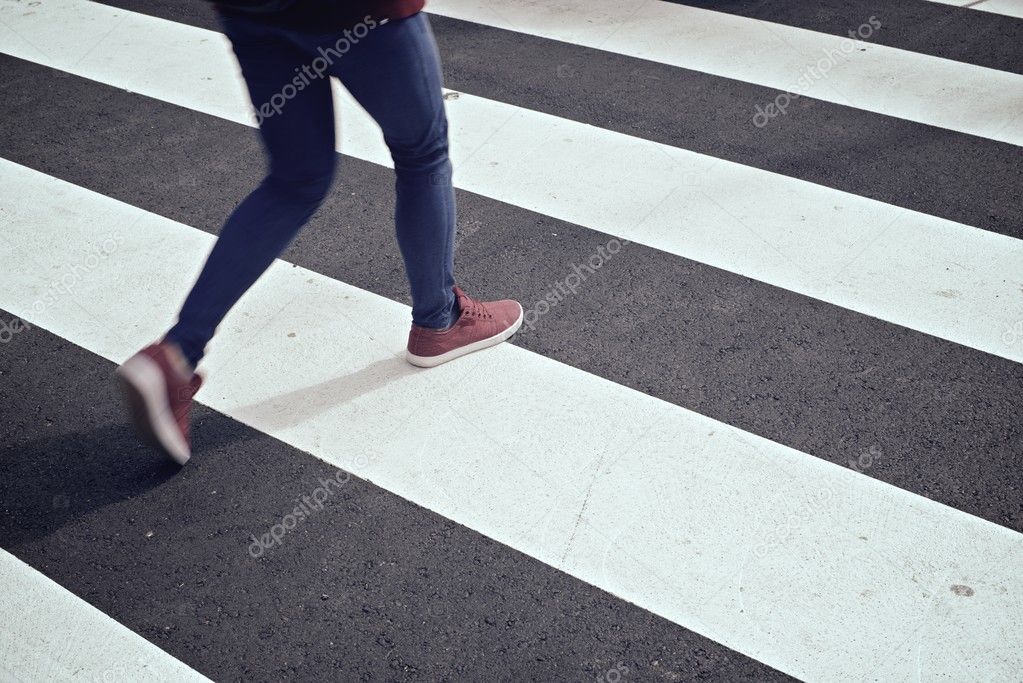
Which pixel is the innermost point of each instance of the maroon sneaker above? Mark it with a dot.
(160, 399)
(480, 324)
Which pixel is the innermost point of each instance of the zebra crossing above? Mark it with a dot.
(61, 637)
(935, 91)
(775, 434)
(820, 242)
(1006, 7)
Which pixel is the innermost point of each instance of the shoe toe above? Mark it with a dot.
(507, 312)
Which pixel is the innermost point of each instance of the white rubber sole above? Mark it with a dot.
(146, 392)
(434, 361)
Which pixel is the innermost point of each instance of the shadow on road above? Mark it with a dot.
(302, 404)
(52, 482)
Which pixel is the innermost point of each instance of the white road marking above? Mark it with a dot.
(1010, 8)
(50, 634)
(886, 80)
(812, 568)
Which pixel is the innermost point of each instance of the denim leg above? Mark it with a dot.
(394, 73)
(299, 141)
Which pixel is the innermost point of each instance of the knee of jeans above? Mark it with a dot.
(312, 190)
(428, 157)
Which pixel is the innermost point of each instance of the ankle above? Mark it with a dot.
(178, 360)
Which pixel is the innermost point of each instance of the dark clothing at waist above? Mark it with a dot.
(326, 16)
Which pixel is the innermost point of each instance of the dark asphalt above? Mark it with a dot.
(369, 588)
(810, 375)
(931, 28)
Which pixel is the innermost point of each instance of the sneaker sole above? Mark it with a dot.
(434, 361)
(145, 391)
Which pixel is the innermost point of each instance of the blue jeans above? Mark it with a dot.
(393, 70)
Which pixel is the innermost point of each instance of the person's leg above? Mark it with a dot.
(299, 139)
(394, 73)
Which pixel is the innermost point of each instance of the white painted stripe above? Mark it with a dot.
(813, 568)
(915, 270)
(49, 634)
(1010, 8)
(908, 85)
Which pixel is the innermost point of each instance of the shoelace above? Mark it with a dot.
(474, 308)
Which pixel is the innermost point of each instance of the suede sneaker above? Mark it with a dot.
(480, 324)
(159, 396)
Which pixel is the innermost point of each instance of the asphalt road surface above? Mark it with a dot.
(763, 421)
